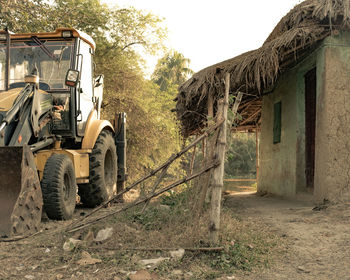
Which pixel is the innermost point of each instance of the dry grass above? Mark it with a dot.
(248, 245)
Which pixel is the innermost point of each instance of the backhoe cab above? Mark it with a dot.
(53, 143)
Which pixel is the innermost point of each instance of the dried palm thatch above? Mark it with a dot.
(255, 72)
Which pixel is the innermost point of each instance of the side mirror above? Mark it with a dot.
(72, 78)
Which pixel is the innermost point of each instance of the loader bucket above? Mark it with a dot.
(20, 193)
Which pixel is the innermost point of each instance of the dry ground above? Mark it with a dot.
(317, 241)
(264, 238)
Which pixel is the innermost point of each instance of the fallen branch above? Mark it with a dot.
(200, 249)
(153, 172)
(133, 204)
(20, 237)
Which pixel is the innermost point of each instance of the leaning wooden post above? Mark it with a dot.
(192, 160)
(218, 172)
(207, 154)
(257, 151)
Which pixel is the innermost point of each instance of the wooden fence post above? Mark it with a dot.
(192, 160)
(257, 151)
(204, 181)
(218, 172)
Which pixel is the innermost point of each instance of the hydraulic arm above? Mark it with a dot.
(18, 104)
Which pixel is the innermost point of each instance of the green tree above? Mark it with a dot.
(130, 27)
(89, 16)
(171, 70)
(117, 54)
(121, 35)
(24, 15)
(240, 156)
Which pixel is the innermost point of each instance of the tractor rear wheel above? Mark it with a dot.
(59, 187)
(103, 172)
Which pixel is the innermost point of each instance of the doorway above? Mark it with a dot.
(310, 126)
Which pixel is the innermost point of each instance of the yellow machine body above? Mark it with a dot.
(80, 159)
(30, 137)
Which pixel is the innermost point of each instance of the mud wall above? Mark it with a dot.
(332, 170)
(277, 173)
(282, 165)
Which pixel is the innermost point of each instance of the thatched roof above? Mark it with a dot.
(255, 72)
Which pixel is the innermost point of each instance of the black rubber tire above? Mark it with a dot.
(103, 172)
(59, 187)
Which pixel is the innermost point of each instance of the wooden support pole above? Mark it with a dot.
(257, 150)
(240, 180)
(204, 145)
(204, 181)
(204, 190)
(210, 105)
(218, 172)
(192, 160)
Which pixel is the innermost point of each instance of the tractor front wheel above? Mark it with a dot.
(59, 187)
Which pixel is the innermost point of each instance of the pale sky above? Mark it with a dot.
(210, 31)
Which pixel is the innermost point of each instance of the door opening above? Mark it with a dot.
(310, 126)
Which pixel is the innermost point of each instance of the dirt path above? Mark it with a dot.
(318, 241)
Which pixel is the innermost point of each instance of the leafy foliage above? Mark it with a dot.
(24, 16)
(121, 36)
(240, 156)
(38, 15)
(179, 199)
(171, 70)
(131, 27)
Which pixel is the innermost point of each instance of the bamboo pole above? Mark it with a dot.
(192, 160)
(155, 186)
(240, 180)
(210, 105)
(218, 172)
(205, 179)
(257, 150)
(204, 190)
(204, 144)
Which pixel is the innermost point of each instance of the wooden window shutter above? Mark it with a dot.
(277, 110)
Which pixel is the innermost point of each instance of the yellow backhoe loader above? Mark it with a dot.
(53, 144)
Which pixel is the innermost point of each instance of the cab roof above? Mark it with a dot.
(56, 34)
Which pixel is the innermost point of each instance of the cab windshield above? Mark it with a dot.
(51, 58)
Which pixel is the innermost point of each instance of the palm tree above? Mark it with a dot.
(172, 69)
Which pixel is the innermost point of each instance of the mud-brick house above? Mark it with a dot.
(296, 91)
